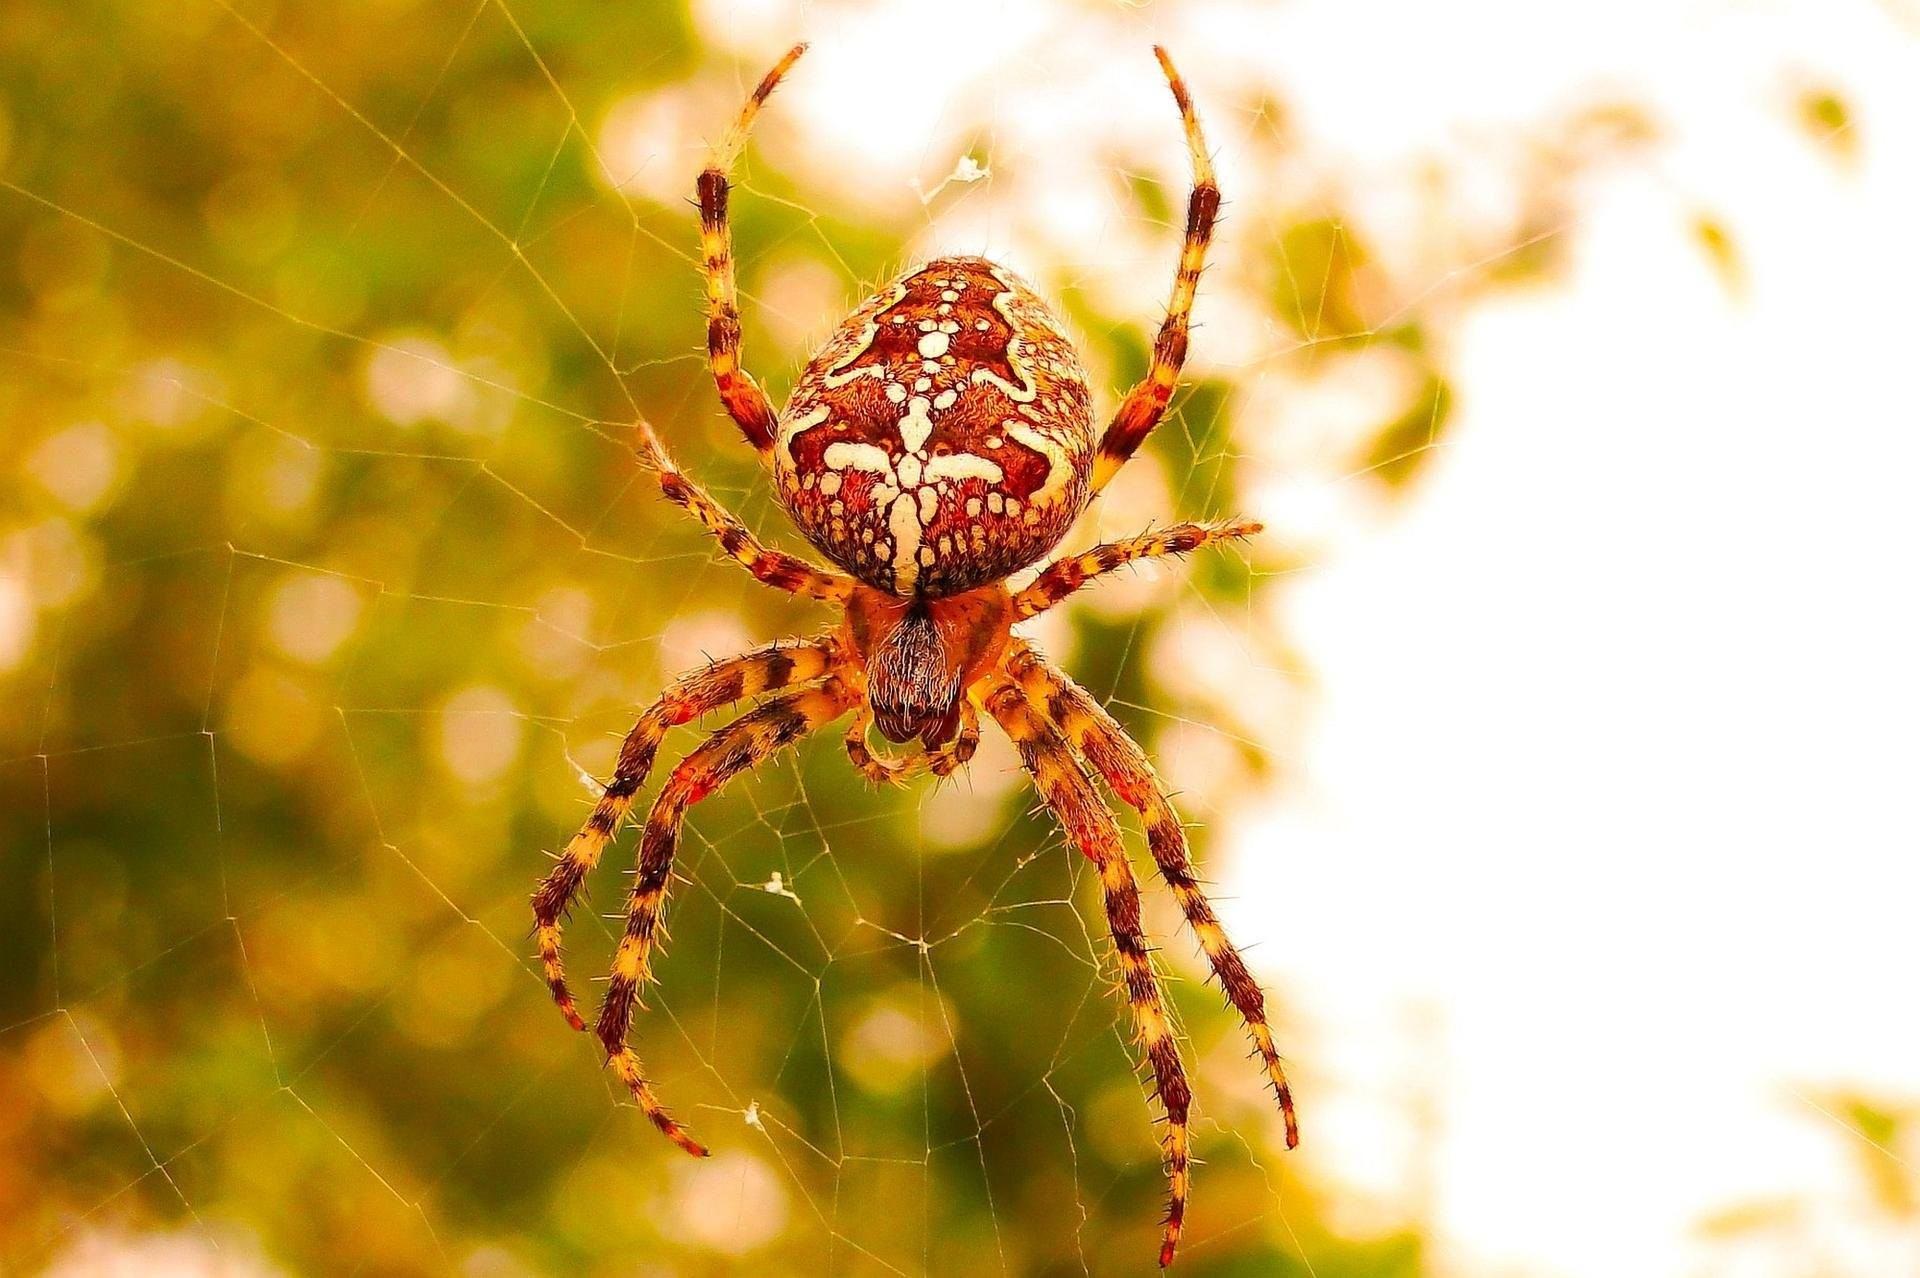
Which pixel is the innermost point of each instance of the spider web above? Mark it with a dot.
(348, 607)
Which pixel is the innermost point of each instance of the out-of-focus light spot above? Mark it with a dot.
(959, 814)
(72, 1076)
(891, 1046)
(799, 297)
(16, 619)
(57, 561)
(554, 641)
(1202, 762)
(170, 394)
(120, 1253)
(78, 466)
(732, 1203)
(271, 718)
(310, 616)
(480, 734)
(695, 638)
(653, 143)
(412, 379)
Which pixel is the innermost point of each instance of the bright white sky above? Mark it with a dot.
(1621, 710)
(1611, 771)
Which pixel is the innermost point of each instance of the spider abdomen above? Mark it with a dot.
(943, 437)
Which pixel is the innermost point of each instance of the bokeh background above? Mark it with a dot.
(1554, 752)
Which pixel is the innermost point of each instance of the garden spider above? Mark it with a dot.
(941, 440)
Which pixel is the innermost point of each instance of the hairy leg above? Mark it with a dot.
(743, 744)
(1064, 576)
(692, 695)
(1147, 402)
(773, 568)
(1123, 764)
(1058, 775)
(746, 403)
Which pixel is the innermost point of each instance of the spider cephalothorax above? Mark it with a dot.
(941, 440)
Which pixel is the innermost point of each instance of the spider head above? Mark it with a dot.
(922, 654)
(943, 437)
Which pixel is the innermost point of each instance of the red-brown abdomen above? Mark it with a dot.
(943, 436)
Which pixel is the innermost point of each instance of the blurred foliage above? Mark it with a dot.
(328, 575)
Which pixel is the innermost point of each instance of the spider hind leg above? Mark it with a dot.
(743, 744)
(1062, 782)
(1123, 765)
(718, 684)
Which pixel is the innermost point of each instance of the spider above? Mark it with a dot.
(940, 441)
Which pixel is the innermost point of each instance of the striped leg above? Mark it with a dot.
(1119, 759)
(1147, 402)
(1064, 576)
(773, 568)
(1063, 784)
(720, 684)
(745, 743)
(746, 403)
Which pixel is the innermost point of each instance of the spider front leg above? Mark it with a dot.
(743, 744)
(1147, 402)
(746, 403)
(1064, 576)
(1121, 762)
(773, 568)
(721, 683)
(1063, 785)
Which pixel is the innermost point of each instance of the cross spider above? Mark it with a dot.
(941, 440)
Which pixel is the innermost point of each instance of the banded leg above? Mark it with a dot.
(1064, 576)
(745, 743)
(1124, 766)
(719, 684)
(1062, 783)
(746, 403)
(1147, 402)
(773, 568)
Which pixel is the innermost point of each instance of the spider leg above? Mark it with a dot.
(745, 743)
(1062, 782)
(773, 568)
(1124, 766)
(746, 403)
(690, 696)
(1064, 576)
(1147, 402)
